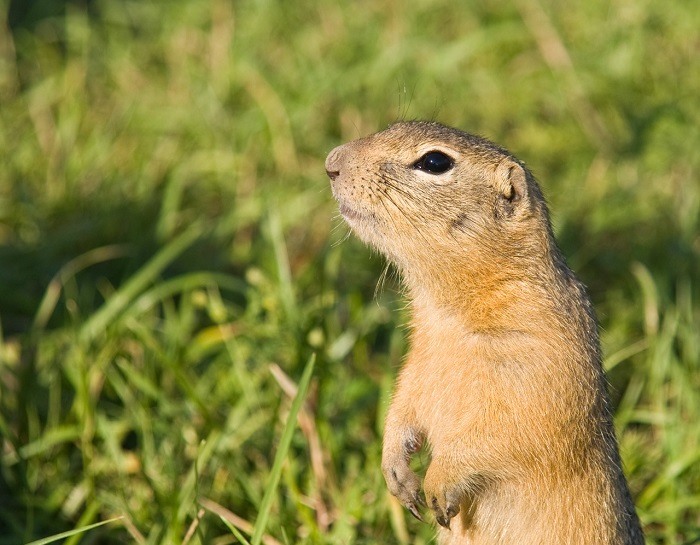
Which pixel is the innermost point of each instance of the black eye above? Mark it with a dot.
(434, 162)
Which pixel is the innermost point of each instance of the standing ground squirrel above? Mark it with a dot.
(504, 378)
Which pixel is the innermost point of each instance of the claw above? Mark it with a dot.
(443, 518)
(443, 521)
(413, 506)
(414, 511)
(452, 510)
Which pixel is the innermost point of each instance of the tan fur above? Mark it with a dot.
(504, 378)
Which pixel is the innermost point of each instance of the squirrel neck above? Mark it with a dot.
(524, 295)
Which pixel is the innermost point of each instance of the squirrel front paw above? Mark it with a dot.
(400, 479)
(442, 493)
(404, 484)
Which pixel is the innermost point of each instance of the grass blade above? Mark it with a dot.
(235, 531)
(70, 533)
(138, 282)
(285, 442)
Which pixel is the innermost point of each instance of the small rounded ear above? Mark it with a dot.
(511, 183)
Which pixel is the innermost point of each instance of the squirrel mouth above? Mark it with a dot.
(350, 214)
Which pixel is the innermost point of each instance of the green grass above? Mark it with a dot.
(170, 255)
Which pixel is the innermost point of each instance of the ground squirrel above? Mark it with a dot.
(504, 378)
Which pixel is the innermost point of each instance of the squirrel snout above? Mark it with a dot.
(334, 162)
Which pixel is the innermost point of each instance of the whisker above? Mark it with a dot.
(340, 241)
(382, 278)
(418, 195)
(403, 213)
(395, 185)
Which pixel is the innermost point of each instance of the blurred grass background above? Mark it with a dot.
(170, 254)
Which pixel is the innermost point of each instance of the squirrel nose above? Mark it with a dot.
(334, 162)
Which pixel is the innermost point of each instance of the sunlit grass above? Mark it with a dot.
(169, 259)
